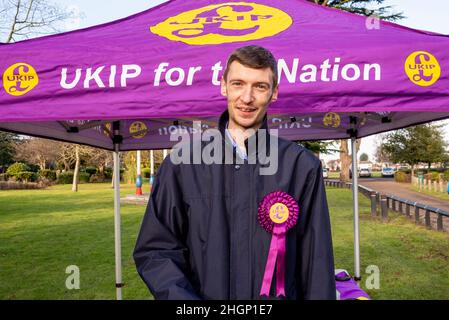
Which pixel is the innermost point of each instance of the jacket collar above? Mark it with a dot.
(263, 130)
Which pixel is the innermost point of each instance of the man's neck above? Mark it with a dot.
(240, 134)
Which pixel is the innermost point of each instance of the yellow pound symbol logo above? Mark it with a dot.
(422, 68)
(279, 213)
(138, 130)
(331, 119)
(19, 79)
(224, 23)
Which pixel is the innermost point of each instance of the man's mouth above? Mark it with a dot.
(247, 110)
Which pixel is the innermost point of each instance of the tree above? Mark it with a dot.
(346, 158)
(364, 157)
(365, 8)
(381, 155)
(413, 145)
(99, 158)
(37, 151)
(318, 147)
(24, 19)
(7, 148)
(362, 7)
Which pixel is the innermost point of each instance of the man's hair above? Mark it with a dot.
(254, 57)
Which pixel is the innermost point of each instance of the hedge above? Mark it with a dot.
(402, 177)
(67, 177)
(16, 168)
(26, 176)
(47, 174)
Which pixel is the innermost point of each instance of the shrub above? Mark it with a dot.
(47, 174)
(91, 170)
(27, 176)
(65, 177)
(435, 176)
(4, 177)
(16, 168)
(98, 177)
(446, 175)
(10, 185)
(146, 172)
(432, 176)
(108, 173)
(402, 177)
(84, 177)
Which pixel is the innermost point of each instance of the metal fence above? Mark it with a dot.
(381, 204)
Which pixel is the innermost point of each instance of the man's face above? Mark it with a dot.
(248, 91)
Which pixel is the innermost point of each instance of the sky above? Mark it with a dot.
(430, 15)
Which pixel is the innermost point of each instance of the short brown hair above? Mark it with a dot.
(254, 57)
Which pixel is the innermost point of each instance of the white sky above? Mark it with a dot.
(431, 15)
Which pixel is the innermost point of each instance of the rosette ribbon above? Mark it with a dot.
(277, 213)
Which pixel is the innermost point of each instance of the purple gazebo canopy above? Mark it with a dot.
(157, 71)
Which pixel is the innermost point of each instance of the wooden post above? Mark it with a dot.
(440, 222)
(417, 215)
(407, 210)
(428, 219)
(384, 207)
(373, 204)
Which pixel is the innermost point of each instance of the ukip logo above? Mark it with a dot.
(19, 79)
(422, 68)
(224, 23)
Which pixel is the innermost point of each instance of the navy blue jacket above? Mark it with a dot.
(200, 238)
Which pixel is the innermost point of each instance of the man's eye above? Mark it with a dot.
(237, 84)
(262, 87)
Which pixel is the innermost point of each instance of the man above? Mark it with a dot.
(201, 237)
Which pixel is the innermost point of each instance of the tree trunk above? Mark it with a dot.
(77, 169)
(112, 182)
(345, 160)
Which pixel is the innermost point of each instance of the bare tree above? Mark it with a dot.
(24, 19)
(71, 156)
(99, 158)
(37, 151)
(346, 158)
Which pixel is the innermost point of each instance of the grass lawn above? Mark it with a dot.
(336, 175)
(44, 231)
(441, 195)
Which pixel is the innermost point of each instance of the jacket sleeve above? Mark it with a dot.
(160, 253)
(316, 260)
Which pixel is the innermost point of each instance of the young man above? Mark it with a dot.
(204, 235)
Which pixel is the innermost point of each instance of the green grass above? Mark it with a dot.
(336, 175)
(440, 195)
(412, 260)
(44, 231)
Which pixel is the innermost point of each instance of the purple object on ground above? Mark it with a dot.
(347, 288)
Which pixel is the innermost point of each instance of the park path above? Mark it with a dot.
(402, 190)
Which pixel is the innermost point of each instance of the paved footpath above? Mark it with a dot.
(403, 190)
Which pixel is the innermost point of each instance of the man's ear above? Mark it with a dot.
(274, 96)
(223, 90)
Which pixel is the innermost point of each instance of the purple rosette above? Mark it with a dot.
(278, 212)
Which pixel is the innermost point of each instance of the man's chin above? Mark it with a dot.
(246, 123)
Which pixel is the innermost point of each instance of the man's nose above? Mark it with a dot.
(247, 95)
